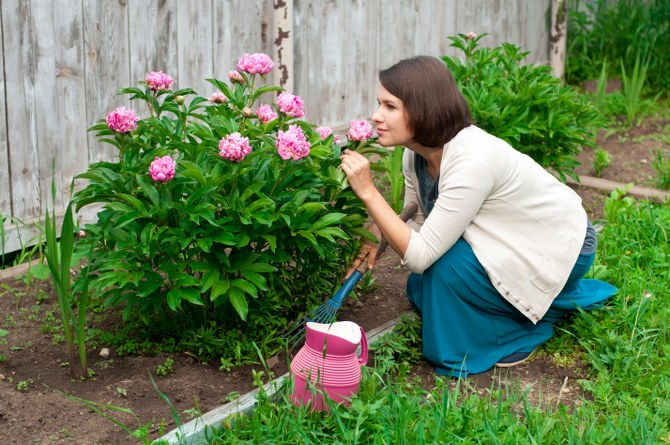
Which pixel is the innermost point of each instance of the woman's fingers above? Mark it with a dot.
(372, 256)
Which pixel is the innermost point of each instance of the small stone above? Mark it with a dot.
(104, 352)
(2, 377)
(273, 362)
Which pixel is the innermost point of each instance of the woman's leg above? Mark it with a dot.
(467, 325)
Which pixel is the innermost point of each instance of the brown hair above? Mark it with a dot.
(436, 109)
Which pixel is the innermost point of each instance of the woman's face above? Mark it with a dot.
(390, 119)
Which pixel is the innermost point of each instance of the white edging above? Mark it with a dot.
(195, 431)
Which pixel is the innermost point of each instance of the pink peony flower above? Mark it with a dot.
(292, 143)
(234, 147)
(291, 105)
(158, 80)
(235, 77)
(266, 114)
(122, 120)
(359, 130)
(162, 169)
(257, 63)
(471, 35)
(324, 132)
(218, 98)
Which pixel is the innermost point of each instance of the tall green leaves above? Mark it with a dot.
(59, 256)
(524, 104)
(632, 86)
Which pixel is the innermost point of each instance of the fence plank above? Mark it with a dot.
(152, 42)
(239, 26)
(106, 66)
(194, 44)
(5, 189)
(18, 35)
(72, 157)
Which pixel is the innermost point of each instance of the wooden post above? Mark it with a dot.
(282, 44)
(559, 26)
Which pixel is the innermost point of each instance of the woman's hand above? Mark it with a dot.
(357, 168)
(368, 252)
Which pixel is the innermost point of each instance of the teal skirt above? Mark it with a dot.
(467, 326)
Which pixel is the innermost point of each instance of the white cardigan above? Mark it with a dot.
(525, 227)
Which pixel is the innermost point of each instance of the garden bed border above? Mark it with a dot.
(194, 432)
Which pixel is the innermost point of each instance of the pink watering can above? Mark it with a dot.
(329, 362)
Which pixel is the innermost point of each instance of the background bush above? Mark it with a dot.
(524, 104)
(614, 31)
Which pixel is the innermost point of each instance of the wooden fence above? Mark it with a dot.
(64, 60)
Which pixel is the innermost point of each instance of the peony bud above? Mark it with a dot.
(471, 35)
(247, 112)
(179, 100)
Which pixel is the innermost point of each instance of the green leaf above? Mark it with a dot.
(3, 333)
(191, 295)
(259, 267)
(40, 271)
(148, 189)
(328, 220)
(222, 237)
(210, 277)
(256, 278)
(246, 286)
(239, 302)
(193, 171)
(173, 299)
(272, 241)
(220, 288)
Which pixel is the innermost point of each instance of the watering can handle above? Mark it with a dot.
(363, 359)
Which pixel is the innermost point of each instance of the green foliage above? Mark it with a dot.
(612, 30)
(166, 368)
(601, 160)
(59, 255)
(662, 166)
(401, 347)
(632, 87)
(524, 104)
(393, 165)
(245, 244)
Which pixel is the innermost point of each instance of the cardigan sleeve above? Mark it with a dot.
(465, 183)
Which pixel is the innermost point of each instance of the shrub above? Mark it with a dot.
(215, 212)
(524, 104)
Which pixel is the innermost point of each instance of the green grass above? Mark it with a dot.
(627, 345)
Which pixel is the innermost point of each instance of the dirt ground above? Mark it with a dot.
(43, 413)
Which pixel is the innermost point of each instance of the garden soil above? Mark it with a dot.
(44, 414)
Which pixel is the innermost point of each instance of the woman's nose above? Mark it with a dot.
(377, 117)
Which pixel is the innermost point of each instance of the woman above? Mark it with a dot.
(502, 245)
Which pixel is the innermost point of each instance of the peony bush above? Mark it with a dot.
(218, 212)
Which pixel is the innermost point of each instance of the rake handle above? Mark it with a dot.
(336, 300)
(405, 215)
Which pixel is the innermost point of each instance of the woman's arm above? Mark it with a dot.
(396, 232)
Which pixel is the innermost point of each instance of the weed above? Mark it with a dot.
(367, 284)
(662, 166)
(233, 395)
(121, 391)
(3, 358)
(22, 385)
(166, 368)
(632, 87)
(601, 160)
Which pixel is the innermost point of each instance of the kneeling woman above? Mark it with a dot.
(502, 245)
